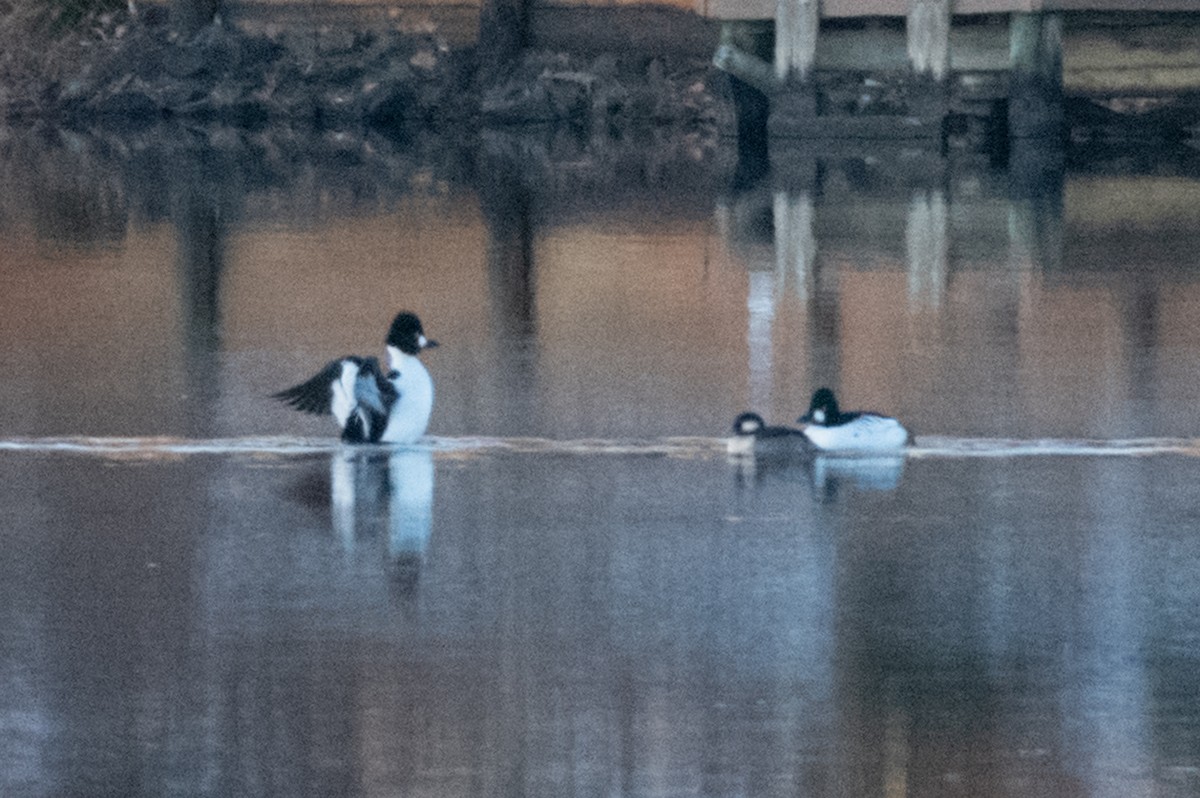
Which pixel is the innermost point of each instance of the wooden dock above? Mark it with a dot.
(1024, 54)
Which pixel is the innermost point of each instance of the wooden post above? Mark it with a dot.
(1035, 95)
(796, 26)
(794, 106)
(928, 32)
(928, 29)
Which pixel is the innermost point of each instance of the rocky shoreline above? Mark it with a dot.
(140, 72)
(131, 72)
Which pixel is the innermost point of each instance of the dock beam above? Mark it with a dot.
(780, 59)
(791, 87)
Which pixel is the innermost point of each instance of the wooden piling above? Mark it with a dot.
(928, 32)
(796, 25)
(794, 105)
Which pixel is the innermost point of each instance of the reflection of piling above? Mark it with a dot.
(801, 238)
(1035, 93)
(1035, 187)
(509, 207)
(795, 244)
(927, 244)
(203, 210)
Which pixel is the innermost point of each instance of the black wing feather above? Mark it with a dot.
(372, 390)
(315, 395)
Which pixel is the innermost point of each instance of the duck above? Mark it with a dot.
(831, 429)
(372, 405)
(753, 437)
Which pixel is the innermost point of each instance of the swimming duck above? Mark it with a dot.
(831, 429)
(368, 404)
(752, 436)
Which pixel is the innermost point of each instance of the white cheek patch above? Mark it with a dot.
(422, 341)
(818, 416)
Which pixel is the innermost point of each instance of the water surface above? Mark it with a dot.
(570, 588)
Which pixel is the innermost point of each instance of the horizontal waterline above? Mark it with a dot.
(925, 447)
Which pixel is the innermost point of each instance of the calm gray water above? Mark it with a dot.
(570, 589)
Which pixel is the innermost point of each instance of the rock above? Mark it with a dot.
(424, 59)
(609, 100)
(389, 103)
(335, 42)
(568, 93)
(258, 50)
(185, 62)
(517, 103)
(129, 103)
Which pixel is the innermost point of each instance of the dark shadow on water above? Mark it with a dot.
(828, 476)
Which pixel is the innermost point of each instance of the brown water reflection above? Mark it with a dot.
(584, 293)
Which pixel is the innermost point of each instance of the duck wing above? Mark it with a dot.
(371, 402)
(354, 390)
(372, 389)
(315, 395)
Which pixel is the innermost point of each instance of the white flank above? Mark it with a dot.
(343, 393)
(866, 433)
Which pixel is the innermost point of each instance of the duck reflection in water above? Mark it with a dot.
(393, 488)
(761, 451)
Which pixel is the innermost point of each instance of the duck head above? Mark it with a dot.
(407, 335)
(823, 409)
